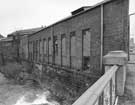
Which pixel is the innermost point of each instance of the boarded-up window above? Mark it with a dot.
(86, 48)
(44, 48)
(63, 45)
(40, 50)
(63, 50)
(36, 50)
(55, 46)
(29, 49)
(41, 47)
(73, 44)
(49, 46)
(72, 49)
(33, 50)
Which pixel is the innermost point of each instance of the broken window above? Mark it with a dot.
(86, 48)
(49, 46)
(40, 55)
(40, 47)
(33, 50)
(36, 50)
(29, 49)
(72, 49)
(44, 47)
(55, 46)
(63, 48)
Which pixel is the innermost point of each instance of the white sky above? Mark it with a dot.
(23, 14)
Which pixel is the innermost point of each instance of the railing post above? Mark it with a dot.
(119, 58)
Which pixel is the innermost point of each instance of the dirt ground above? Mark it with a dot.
(15, 94)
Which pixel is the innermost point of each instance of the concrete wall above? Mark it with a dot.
(115, 33)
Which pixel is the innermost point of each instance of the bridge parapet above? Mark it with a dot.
(111, 85)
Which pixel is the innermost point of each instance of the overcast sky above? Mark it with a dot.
(23, 14)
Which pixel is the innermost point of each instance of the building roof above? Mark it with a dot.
(85, 10)
(7, 39)
(26, 31)
(1, 36)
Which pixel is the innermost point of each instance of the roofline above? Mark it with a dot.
(25, 33)
(69, 17)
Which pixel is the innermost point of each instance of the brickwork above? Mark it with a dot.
(115, 26)
(115, 37)
(23, 49)
(8, 51)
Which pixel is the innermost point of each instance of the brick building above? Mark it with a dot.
(8, 49)
(21, 39)
(80, 41)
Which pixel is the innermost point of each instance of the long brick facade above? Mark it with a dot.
(115, 28)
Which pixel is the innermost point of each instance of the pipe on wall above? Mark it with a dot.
(102, 35)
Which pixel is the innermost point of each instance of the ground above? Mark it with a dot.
(15, 94)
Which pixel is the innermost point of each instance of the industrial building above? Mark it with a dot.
(81, 40)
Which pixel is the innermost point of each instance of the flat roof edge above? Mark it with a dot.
(69, 17)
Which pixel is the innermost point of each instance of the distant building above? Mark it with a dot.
(6, 41)
(8, 48)
(20, 37)
(15, 45)
(81, 40)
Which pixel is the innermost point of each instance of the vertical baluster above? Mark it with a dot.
(97, 102)
(111, 92)
(101, 99)
(113, 88)
(107, 94)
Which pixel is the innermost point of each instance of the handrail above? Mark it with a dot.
(92, 94)
(116, 102)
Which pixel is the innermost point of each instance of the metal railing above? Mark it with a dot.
(103, 92)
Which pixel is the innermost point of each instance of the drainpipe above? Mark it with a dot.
(102, 33)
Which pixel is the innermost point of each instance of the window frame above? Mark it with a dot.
(72, 34)
(83, 33)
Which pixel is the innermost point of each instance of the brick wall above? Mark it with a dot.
(8, 51)
(116, 25)
(23, 48)
(115, 33)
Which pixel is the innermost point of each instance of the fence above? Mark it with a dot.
(111, 85)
